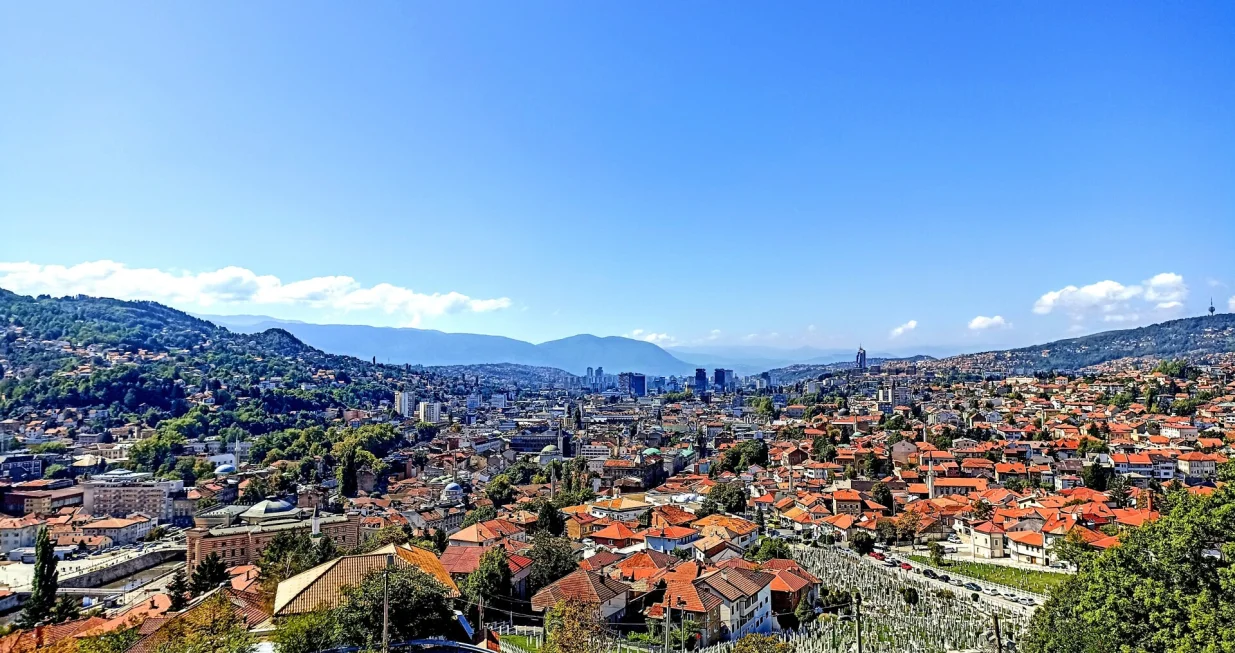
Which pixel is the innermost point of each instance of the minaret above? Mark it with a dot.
(317, 525)
(930, 477)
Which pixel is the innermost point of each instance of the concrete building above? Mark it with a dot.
(117, 498)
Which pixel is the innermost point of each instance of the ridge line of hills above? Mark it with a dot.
(147, 322)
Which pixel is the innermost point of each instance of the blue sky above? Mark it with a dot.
(689, 172)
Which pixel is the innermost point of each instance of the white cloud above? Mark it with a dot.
(983, 322)
(904, 328)
(1104, 295)
(810, 328)
(1114, 301)
(1166, 288)
(234, 285)
(652, 337)
(713, 334)
(1230, 303)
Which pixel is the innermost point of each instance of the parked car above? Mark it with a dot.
(930, 573)
(906, 566)
(1025, 600)
(945, 578)
(973, 587)
(877, 555)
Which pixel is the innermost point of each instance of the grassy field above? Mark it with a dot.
(1039, 582)
(522, 641)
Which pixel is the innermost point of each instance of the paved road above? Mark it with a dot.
(1000, 600)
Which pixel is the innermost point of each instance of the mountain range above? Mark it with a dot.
(573, 354)
(435, 348)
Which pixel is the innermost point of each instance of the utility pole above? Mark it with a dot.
(998, 635)
(858, 615)
(386, 604)
(681, 608)
(484, 634)
(668, 621)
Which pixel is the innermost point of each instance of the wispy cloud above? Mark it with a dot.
(651, 336)
(982, 323)
(235, 286)
(904, 328)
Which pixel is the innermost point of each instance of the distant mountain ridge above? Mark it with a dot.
(436, 348)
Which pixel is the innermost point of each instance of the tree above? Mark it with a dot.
(419, 607)
(491, 579)
(645, 518)
(483, 513)
(309, 632)
(936, 553)
(288, 554)
(883, 496)
(549, 519)
(326, 549)
(822, 450)
(574, 627)
(212, 626)
(727, 497)
(66, 608)
(769, 548)
(907, 526)
(42, 601)
(804, 613)
(115, 641)
(440, 540)
(982, 510)
(756, 643)
(1167, 587)
(178, 590)
(348, 484)
(500, 491)
(910, 595)
(209, 574)
(862, 542)
(551, 557)
(1119, 491)
(1072, 548)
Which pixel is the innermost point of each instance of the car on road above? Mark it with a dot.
(877, 555)
(973, 587)
(1025, 600)
(930, 573)
(954, 539)
(906, 566)
(945, 578)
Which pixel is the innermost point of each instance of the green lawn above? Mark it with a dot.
(1039, 582)
(522, 641)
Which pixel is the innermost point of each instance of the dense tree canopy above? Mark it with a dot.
(1167, 587)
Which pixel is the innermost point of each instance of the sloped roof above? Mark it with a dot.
(581, 585)
(321, 585)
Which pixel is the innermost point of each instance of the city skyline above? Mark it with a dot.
(802, 176)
